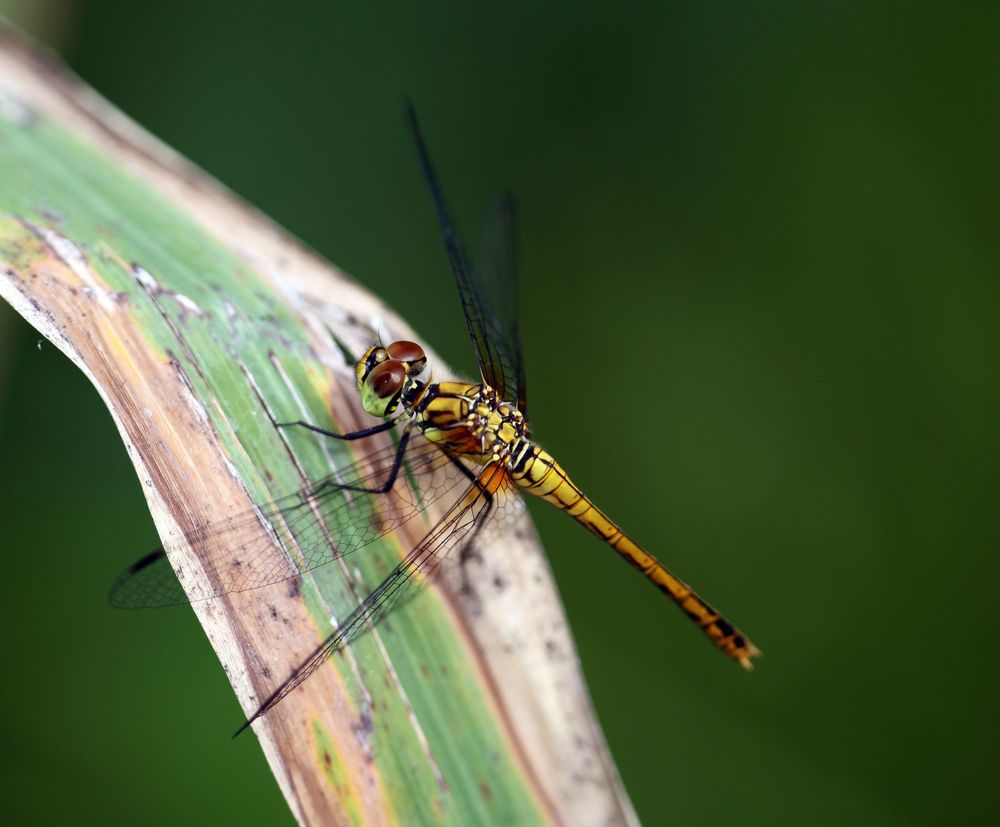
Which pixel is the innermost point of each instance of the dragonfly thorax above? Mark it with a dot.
(469, 420)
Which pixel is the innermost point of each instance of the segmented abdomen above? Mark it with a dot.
(536, 471)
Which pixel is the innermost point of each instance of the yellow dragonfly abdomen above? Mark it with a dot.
(537, 472)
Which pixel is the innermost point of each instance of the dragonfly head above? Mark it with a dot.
(385, 372)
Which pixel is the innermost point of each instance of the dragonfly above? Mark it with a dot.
(463, 445)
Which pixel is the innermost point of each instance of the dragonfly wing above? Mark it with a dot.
(149, 581)
(280, 540)
(498, 266)
(494, 338)
(460, 527)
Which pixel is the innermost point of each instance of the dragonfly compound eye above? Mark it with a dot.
(410, 354)
(405, 351)
(386, 380)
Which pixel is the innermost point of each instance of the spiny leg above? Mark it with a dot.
(354, 435)
(468, 549)
(385, 487)
(362, 434)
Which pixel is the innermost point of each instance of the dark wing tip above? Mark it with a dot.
(413, 124)
(147, 584)
(409, 111)
(245, 726)
(146, 560)
(118, 593)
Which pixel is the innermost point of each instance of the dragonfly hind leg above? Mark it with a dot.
(468, 551)
(384, 488)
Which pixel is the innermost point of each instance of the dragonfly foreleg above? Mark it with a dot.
(365, 432)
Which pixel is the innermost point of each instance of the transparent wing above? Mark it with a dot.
(149, 582)
(498, 266)
(486, 502)
(279, 540)
(494, 337)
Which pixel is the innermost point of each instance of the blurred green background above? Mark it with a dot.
(771, 222)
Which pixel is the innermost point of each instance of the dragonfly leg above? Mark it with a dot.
(467, 552)
(365, 432)
(385, 487)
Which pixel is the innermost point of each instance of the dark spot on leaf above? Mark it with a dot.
(365, 725)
